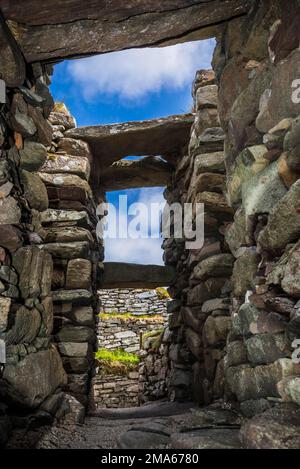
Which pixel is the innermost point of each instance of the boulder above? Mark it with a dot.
(65, 180)
(10, 212)
(206, 291)
(194, 343)
(280, 104)
(276, 428)
(220, 265)
(259, 382)
(32, 156)
(207, 97)
(213, 202)
(10, 237)
(263, 191)
(289, 389)
(33, 379)
(34, 191)
(26, 326)
(236, 354)
(209, 162)
(67, 250)
(249, 162)
(5, 304)
(245, 320)
(74, 349)
(283, 224)
(244, 272)
(20, 121)
(267, 348)
(236, 232)
(35, 272)
(215, 330)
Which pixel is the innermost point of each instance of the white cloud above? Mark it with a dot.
(142, 250)
(134, 73)
(136, 251)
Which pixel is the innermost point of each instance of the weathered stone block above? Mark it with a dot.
(79, 274)
(10, 213)
(25, 328)
(245, 320)
(77, 334)
(244, 272)
(259, 382)
(67, 250)
(283, 224)
(205, 291)
(57, 163)
(267, 348)
(236, 354)
(35, 272)
(207, 97)
(33, 379)
(32, 156)
(215, 330)
(220, 265)
(5, 304)
(76, 297)
(34, 191)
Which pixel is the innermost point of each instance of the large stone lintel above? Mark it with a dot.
(74, 28)
(123, 275)
(109, 143)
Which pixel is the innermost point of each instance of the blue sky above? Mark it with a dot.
(131, 85)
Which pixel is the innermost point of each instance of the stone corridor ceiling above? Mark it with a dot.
(54, 29)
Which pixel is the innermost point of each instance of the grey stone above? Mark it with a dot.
(283, 224)
(10, 213)
(267, 348)
(277, 428)
(34, 191)
(220, 265)
(76, 334)
(244, 272)
(26, 327)
(33, 379)
(33, 156)
(212, 438)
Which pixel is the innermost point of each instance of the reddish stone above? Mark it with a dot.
(10, 238)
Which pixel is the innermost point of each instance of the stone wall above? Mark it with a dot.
(132, 320)
(235, 309)
(134, 301)
(256, 63)
(32, 373)
(69, 228)
(199, 314)
(48, 248)
(115, 391)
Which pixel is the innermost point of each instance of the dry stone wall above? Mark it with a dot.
(256, 72)
(32, 373)
(199, 314)
(132, 320)
(234, 321)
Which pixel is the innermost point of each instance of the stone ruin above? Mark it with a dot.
(233, 334)
(134, 321)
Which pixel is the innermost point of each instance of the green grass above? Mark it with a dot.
(118, 355)
(116, 362)
(130, 316)
(156, 336)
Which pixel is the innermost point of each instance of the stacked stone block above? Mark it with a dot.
(69, 227)
(31, 375)
(260, 116)
(200, 317)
